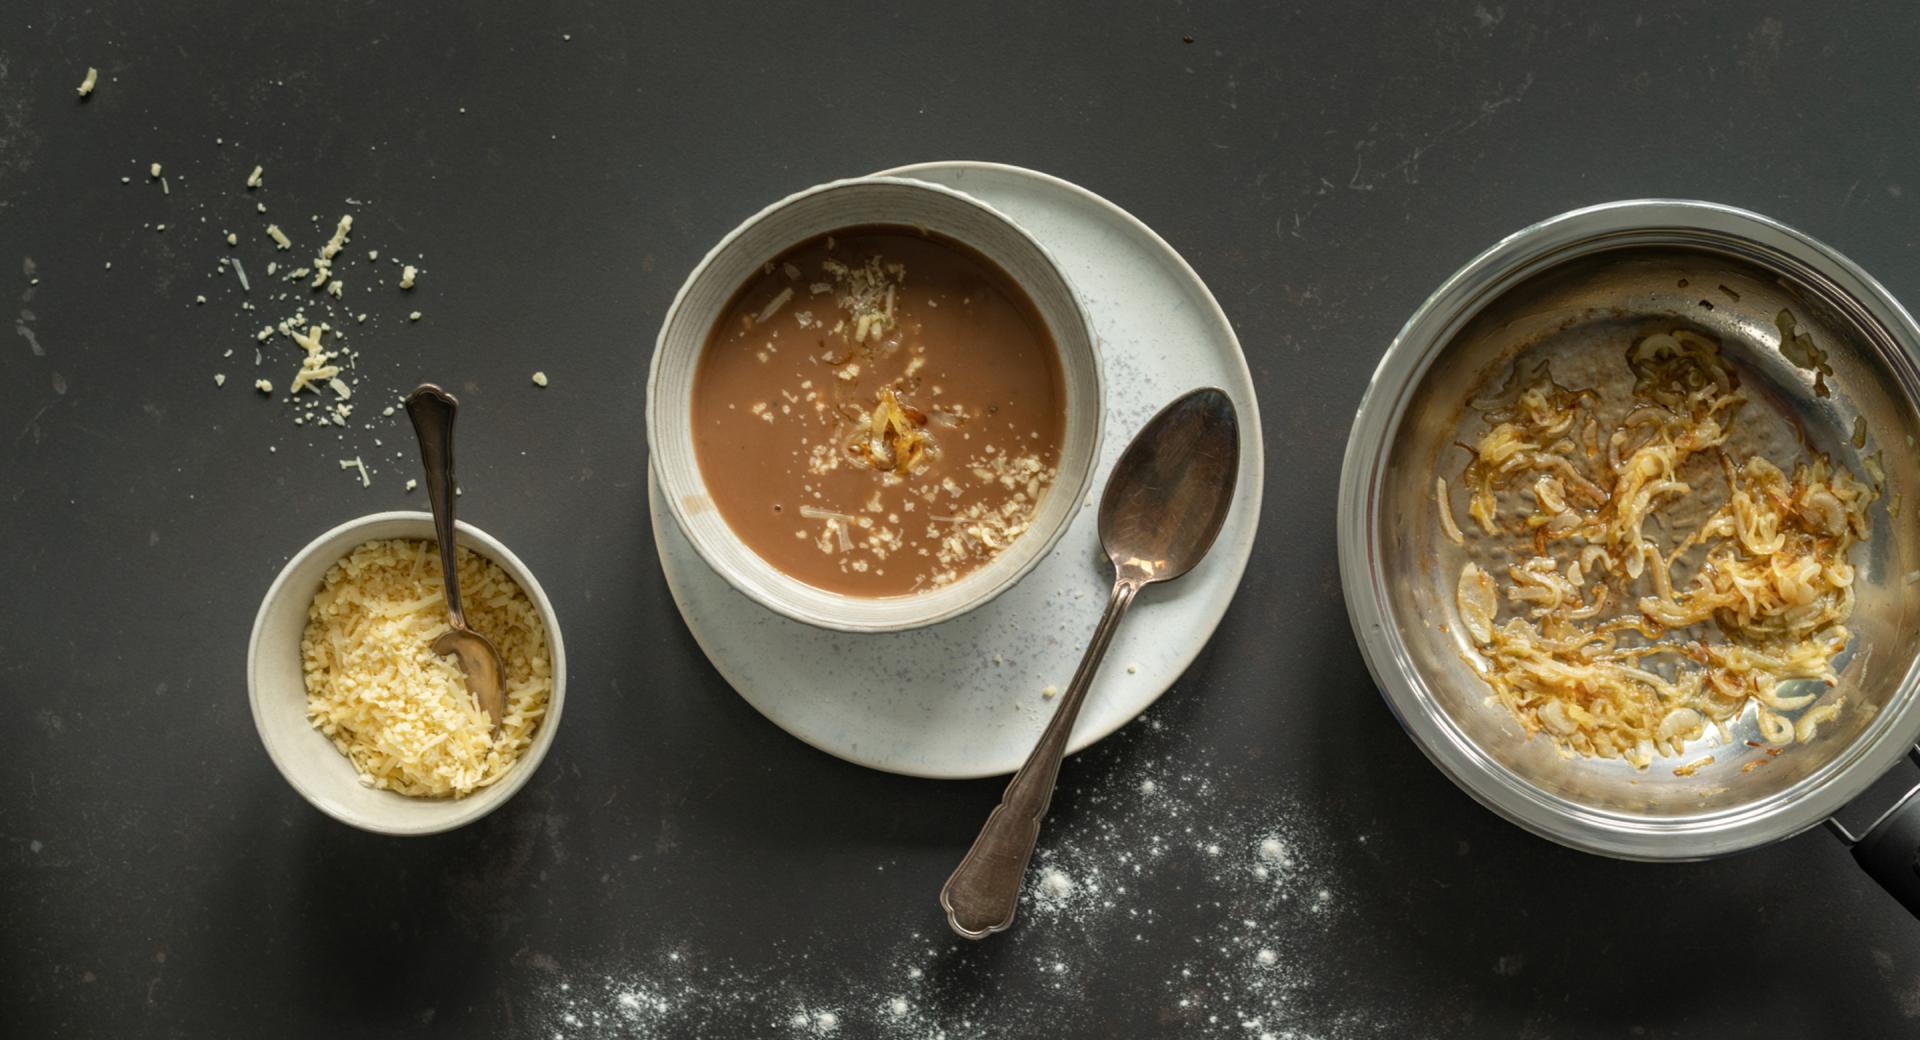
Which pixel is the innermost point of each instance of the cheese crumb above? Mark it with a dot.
(280, 239)
(339, 239)
(154, 171)
(539, 379)
(219, 379)
(411, 484)
(265, 386)
(314, 370)
(233, 239)
(373, 254)
(406, 276)
(355, 463)
(415, 316)
(253, 179)
(199, 300)
(86, 85)
(1050, 692)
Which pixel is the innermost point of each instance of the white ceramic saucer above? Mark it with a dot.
(965, 698)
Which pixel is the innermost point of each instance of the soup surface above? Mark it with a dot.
(879, 411)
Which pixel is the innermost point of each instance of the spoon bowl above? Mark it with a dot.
(1172, 488)
(486, 674)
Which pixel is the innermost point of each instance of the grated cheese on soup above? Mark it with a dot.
(400, 712)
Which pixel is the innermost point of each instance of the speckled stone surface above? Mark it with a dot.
(680, 866)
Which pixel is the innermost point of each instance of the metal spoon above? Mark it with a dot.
(432, 410)
(1164, 504)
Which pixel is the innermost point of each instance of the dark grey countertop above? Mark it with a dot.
(679, 866)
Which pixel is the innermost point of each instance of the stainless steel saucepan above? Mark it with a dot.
(1593, 276)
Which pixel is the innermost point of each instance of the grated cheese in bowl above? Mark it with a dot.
(401, 713)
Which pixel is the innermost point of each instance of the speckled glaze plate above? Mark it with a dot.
(964, 698)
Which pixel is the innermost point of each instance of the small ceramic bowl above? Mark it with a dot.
(277, 688)
(809, 214)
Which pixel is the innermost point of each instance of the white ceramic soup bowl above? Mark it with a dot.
(702, 302)
(277, 688)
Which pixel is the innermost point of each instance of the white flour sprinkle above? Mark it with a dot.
(1054, 888)
(814, 1023)
(1232, 893)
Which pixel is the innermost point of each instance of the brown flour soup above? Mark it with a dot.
(879, 411)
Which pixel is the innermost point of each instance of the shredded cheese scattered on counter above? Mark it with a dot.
(314, 370)
(86, 85)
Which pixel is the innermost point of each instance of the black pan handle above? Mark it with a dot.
(1889, 851)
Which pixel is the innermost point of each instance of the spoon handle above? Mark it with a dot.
(984, 891)
(432, 410)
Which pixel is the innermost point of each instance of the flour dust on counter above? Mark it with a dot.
(1167, 858)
